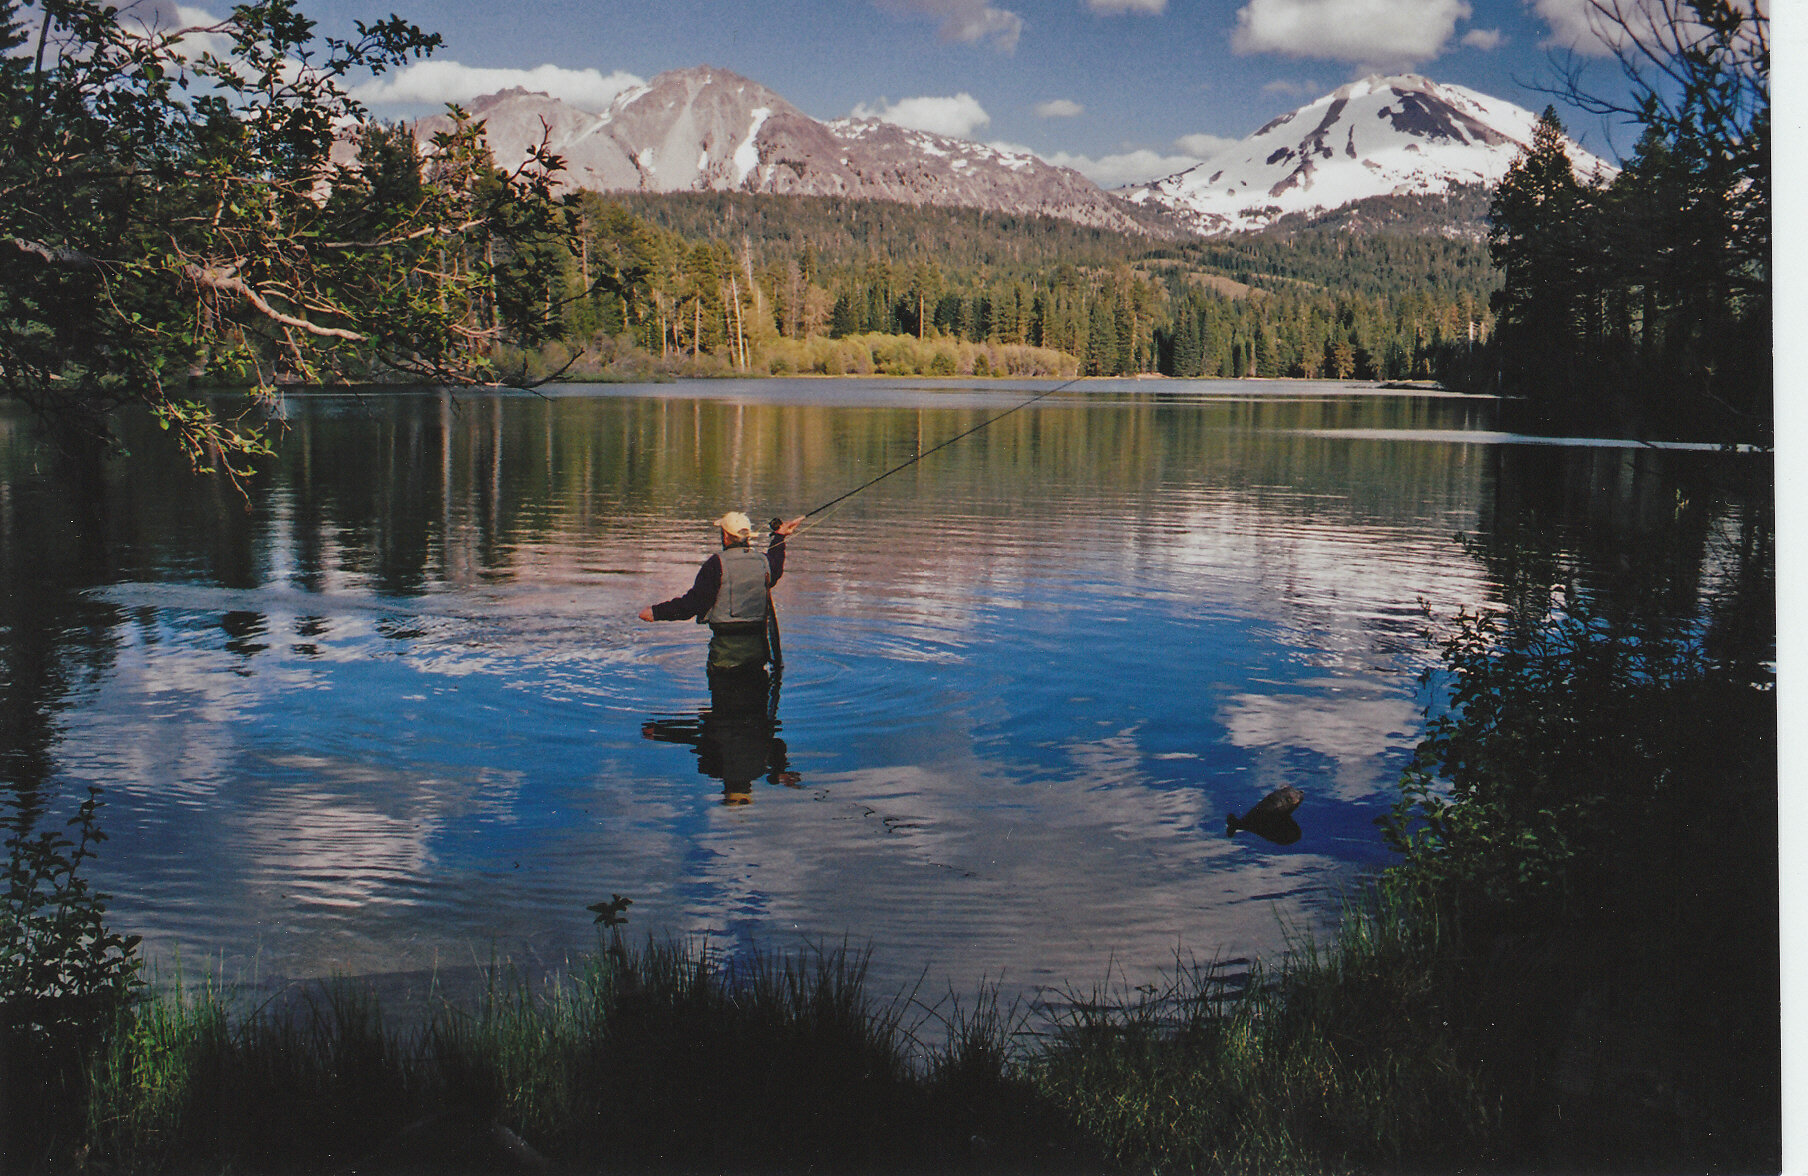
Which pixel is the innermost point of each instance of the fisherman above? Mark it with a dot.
(733, 595)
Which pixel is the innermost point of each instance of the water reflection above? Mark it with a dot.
(736, 736)
(397, 711)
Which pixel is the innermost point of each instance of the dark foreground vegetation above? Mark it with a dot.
(1642, 300)
(1573, 967)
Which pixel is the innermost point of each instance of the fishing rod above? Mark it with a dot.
(915, 458)
(772, 631)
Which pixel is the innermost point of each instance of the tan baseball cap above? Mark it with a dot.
(736, 524)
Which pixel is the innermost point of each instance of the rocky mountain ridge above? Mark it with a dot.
(707, 129)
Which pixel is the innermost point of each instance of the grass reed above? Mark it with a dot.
(678, 1057)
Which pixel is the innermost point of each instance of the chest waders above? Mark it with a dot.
(739, 618)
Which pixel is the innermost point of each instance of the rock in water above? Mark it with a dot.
(1272, 817)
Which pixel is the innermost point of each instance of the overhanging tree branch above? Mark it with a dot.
(213, 278)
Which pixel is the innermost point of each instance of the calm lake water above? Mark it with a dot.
(399, 715)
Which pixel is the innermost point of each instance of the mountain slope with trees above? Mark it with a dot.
(1304, 299)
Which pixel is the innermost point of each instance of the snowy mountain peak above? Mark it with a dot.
(708, 129)
(1381, 135)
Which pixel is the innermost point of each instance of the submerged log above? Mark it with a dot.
(1272, 817)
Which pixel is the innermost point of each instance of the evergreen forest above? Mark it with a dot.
(1642, 300)
(745, 280)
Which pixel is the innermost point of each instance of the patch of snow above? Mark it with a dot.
(747, 155)
(629, 97)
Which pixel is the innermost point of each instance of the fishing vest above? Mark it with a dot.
(745, 583)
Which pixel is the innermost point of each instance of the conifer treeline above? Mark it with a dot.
(722, 276)
(1643, 301)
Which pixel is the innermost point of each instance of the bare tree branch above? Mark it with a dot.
(55, 254)
(214, 278)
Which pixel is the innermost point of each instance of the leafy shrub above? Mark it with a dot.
(64, 978)
(1573, 750)
(63, 975)
(1592, 818)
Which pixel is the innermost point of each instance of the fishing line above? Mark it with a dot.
(925, 453)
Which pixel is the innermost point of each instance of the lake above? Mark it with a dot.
(392, 712)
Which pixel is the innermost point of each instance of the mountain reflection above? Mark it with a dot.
(736, 736)
(388, 714)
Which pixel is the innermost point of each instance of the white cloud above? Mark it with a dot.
(966, 21)
(1487, 40)
(163, 18)
(1580, 25)
(1304, 88)
(1110, 171)
(1373, 33)
(1118, 7)
(1060, 108)
(957, 117)
(1203, 146)
(439, 82)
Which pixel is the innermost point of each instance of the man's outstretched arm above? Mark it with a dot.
(694, 603)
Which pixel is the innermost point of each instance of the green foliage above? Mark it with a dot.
(61, 971)
(1393, 301)
(173, 217)
(65, 978)
(1570, 755)
(1590, 815)
(613, 913)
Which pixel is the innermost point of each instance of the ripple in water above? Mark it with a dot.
(400, 715)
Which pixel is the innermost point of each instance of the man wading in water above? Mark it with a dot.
(733, 596)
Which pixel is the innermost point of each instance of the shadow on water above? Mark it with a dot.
(53, 544)
(736, 736)
(63, 971)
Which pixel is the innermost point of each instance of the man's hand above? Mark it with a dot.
(646, 614)
(784, 529)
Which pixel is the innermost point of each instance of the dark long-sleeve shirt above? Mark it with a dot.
(702, 595)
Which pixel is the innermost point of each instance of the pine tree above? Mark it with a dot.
(1538, 226)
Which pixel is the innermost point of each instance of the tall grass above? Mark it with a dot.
(670, 1056)
(1339, 1058)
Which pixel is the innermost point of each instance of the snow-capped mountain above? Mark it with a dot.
(1376, 137)
(706, 129)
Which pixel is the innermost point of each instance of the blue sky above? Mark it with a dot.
(1120, 89)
